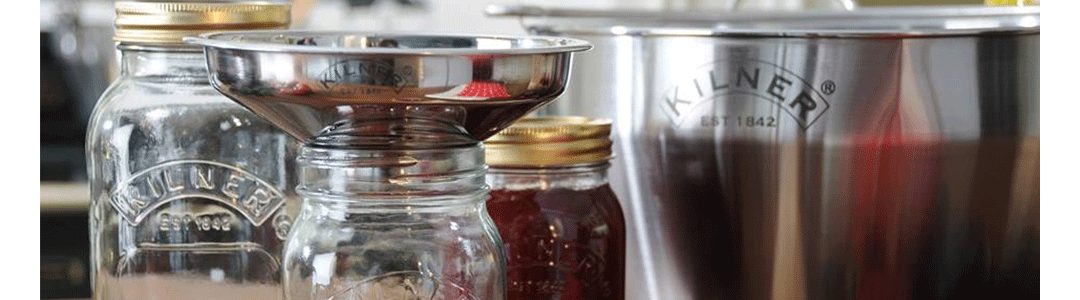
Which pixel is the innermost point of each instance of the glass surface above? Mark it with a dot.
(191, 193)
(393, 224)
(563, 230)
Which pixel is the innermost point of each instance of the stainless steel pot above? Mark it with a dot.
(879, 153)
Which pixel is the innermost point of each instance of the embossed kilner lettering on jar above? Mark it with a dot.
(252, 197)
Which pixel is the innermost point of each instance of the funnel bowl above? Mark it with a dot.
(394, 90)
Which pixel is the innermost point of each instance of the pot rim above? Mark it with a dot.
(877, 22)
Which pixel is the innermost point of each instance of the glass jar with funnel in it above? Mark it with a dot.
(392, 170)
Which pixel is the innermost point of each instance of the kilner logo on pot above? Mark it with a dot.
(746, 79)
(143, 192)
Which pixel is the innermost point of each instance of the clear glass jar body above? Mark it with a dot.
(563, 232)
(192, 194)
(393, 224)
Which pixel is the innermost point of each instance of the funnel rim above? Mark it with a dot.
(547, 45)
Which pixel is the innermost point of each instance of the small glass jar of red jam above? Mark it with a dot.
(560, 221)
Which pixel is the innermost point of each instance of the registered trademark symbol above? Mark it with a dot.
(828, 87)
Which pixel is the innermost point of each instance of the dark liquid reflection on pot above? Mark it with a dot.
(910, 220)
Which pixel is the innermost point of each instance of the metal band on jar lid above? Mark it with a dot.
(550, 142)
(170, 22)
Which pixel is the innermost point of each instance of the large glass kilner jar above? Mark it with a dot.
(560, 221)
(190, 191)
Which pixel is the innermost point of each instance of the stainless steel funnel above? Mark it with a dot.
(388, 90)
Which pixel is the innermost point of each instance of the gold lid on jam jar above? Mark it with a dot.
(550, 142)
(170, 22)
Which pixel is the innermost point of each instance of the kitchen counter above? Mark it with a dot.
(60, 197)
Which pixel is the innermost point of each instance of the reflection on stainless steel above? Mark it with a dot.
(430, 89)
(863, 159)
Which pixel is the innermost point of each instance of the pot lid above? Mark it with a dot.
(873, 22)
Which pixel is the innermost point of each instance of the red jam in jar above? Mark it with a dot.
(560, 221)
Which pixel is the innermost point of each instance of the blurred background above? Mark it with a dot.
(78, 61)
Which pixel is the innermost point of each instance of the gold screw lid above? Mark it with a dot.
(550, 142)
(170, 22)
